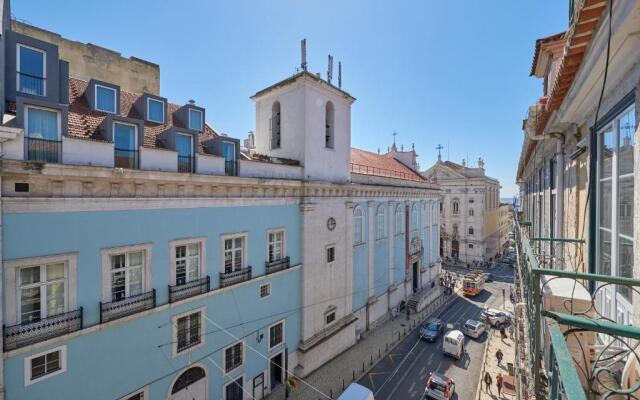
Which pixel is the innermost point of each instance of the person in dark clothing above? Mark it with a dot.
(499, 356)
(487, 382)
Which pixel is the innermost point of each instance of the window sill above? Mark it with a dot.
(361, 244)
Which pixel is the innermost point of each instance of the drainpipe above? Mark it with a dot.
(559, 225)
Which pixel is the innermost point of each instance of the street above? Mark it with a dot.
(403, 373)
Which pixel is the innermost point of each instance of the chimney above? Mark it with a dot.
(192, 102)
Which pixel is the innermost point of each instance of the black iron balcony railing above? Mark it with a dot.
(276, 265)
(131, 305)
(231, 168)
(43, 150)
(189, 289)
(185, 164)
(31, 84)
(17, 336)
(235, 277)
(125, 158)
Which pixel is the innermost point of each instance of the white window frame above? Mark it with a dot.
(189, 119)
(224, 357)
(106, 254)
(284, 338)
(283, 247)
(268, 285)
(335, 317)
(201, 242)
(26, 118)
(44, 67)
(381, 217)
(27, 365)
(326, 254)
(11, 276)
(164, 112)
(135, 133)
(174, 322)
(358, 213)
(144, 391)
(190, 137)
(115, 98)
(245, 249)
(42, 285)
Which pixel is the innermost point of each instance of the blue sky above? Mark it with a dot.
(448, 72)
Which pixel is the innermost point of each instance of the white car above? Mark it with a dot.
(495, 317)
(474, 328)
(453, 344)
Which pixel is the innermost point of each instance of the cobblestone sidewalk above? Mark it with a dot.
(349, 366)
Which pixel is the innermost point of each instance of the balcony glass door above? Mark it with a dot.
(184, 148)
(229, 154)
(43, 135)
(31, 71)
(125, 145)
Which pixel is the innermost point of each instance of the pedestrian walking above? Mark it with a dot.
(487, 382)
(499, 383)
(408, 313)
(511, 331)
(503, 334)
(499, 356)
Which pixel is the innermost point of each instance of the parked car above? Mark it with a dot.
(356, 392)
(439, 387)
(494, 317)
(474, 328)
(431, 329)
(488, 277)
(453, 344)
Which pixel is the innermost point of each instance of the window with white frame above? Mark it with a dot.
(276, 245)
(42, 123)
(195, 119)
(330, 317)
(42, 291)
(31, 67)
(615, 196)
(233, 356)
(155, 110)
(45, 365)
(126, 272)
(470, 245)
(275, 127)
(331, 254)
(399, 220)
(234, 253)
(265, 290)
(105, 98)
(188, 330)
(187, 262)
(141, 394)
(381, 232)
(358, 226)
(276, 334)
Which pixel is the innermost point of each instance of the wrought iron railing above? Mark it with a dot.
(31, 84)
(21, 335)
(231, 168)
(386, 173)
(43, 150)
(189, 289)
(276, 265)
(576, 350)
(185, 164)
(235, 277)
(131, 305)
(126, 158)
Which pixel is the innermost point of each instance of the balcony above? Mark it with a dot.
(230, 168)
(125, 158)
(185, 164)
(17, 336)
(189, 289)
(31, 84)
(276, 265)
(235, 277)
(131, 305)
(43, 150)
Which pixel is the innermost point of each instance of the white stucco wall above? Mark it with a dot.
(158, 160)
(257, 169)
(209, 164)
(87, 152)
(14, 149)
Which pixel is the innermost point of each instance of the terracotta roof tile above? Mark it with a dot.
(84, 123)
(368, 163)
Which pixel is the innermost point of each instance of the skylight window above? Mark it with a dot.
(105, 99)
(155, 110)
(195, 119)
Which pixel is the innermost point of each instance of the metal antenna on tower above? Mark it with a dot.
(340, 74)
(330, 68)
(303, 50)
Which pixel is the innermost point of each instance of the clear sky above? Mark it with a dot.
(448, 72)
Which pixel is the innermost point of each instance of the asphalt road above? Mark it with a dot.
(403, 373)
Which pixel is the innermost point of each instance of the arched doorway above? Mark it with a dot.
(190, 385)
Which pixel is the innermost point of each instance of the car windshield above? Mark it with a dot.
(437, 386)
(470, 326)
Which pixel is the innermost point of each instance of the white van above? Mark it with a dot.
(356, 392)
(453, 344)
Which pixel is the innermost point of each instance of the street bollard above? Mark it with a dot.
(343, 384)
(371, 361)
(398, 335)
(363, 366)
(331, 393)
(353, 375)
(378, 353)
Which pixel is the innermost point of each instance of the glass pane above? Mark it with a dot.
(117, 261)
(183, 145)
(156, 111)
(625, 262)
(605, 204)
(135, 281)
(181, 272)
(193, 249)
(38, 367)
(238, 242)
(228, 151)
(605, 253)
(124, 136)
(55, 298)
(625, 153)
(118, 286)
(55, 271)
(105, 99)
(30, 305)
(53, 361)
(31, 62)
(625, 206)
(42, 124)
(606, 153)
(29, 275)
(195, 119)
(135, 259)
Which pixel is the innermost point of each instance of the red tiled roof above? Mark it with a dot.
(84, 123)
(539, 44)
(368, 163)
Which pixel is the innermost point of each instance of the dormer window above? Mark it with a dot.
(155, 110)
(195, 119)
(105, 99)
(31, 70)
